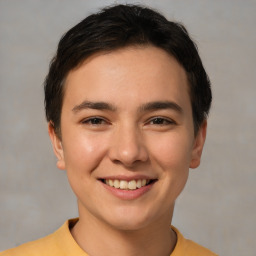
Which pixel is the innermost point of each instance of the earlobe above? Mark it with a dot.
(198, 146)
(57, 146)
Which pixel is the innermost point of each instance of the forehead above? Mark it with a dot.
(128, 73)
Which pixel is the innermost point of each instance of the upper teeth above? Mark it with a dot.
(123, 184)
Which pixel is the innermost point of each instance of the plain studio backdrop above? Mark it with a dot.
(217, 208)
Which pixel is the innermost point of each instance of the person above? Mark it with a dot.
(126, 100)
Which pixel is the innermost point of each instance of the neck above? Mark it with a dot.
(99, 238)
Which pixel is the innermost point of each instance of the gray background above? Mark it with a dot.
(217, 208)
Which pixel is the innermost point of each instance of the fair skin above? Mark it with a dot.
(127, 120)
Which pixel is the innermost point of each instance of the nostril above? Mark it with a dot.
(127, 148)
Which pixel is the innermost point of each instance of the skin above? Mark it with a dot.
(130, 136)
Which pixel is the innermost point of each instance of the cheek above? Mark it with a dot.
(173, 151)
(83, 153)
(172, 158)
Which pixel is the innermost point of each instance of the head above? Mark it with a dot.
(118, 27)
(125, 96)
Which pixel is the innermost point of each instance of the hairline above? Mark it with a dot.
(131, 45)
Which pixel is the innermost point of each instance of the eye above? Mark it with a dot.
(95, 121)
(161, 121)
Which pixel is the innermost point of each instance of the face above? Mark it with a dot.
(127, 136)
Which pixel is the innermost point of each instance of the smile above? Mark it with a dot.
(128, 189)
(127, 185)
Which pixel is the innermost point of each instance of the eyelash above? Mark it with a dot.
(161, 121)
(94, 121)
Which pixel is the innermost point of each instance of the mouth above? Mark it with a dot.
(128, 185)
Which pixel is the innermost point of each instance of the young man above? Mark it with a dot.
(127, 100)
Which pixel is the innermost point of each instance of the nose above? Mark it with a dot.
(128, 146)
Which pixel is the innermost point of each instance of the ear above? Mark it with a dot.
(198, 146)
(57, 146)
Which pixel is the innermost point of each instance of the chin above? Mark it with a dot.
(129, 220)
(128, 225)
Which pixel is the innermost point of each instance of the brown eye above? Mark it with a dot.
(160, 121)
(94, 121)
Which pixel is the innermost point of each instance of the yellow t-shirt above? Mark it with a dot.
(61, 243)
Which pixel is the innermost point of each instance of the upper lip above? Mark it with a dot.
(127, 178)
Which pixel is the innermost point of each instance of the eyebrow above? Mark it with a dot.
(151, 106)
(158, 105)
(94, 105)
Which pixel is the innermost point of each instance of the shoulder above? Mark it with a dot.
(55, 244)
(37, 247)
(186, 247)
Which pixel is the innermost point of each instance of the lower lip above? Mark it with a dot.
(128, 194)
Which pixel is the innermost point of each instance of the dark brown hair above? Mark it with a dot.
(120, 26)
